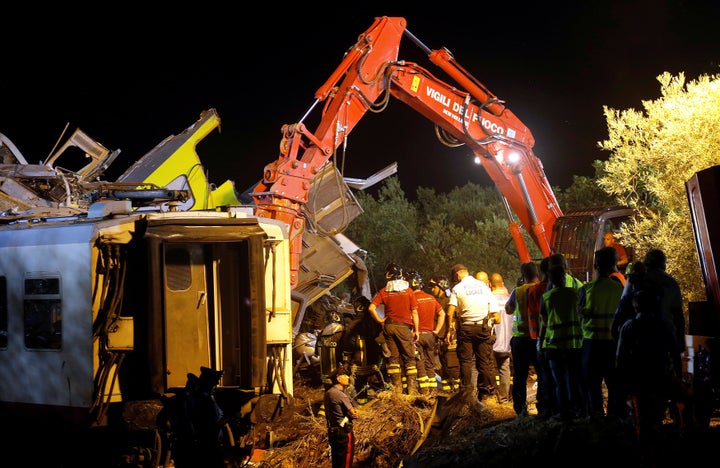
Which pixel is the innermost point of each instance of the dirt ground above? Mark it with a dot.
(454, 430)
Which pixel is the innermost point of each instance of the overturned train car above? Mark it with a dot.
(104, 314)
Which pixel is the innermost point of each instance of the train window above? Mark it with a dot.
(42, 313)
(179, 271)
(3, 313)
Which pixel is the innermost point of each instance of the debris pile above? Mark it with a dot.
(456, 430)
(388, 428)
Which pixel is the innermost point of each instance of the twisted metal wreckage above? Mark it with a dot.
(114, 294)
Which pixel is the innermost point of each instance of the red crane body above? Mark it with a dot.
(465, 113)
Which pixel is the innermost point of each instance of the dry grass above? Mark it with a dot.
(388, 428)
(458, 431)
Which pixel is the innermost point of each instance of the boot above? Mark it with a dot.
(424, 384)
(412, 385)
(395, 378)
(447, 385)
(412, 382)
(396, 382)
(455, 384)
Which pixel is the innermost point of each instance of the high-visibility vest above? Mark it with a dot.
(520, 325)
(602, 297)
(563, 327)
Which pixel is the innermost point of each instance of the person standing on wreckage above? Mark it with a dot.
(401, 327)
(431, 317)
(449, 365)
(503, 333)
(470, 314)
(340, 415)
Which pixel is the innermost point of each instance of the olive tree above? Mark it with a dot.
(387, 229)
(583, 193)
(466, 225)
(653, 153)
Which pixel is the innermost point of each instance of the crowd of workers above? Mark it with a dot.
(607, 348)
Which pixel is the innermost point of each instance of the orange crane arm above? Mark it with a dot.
(465, 112)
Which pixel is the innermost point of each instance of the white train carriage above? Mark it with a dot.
(114, 307)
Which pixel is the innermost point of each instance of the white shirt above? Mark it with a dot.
(502, 330)
(472, 300)
(396, 285)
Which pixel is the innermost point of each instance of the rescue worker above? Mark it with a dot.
(609, 240)
(523, 346)
(671, 301)
(483, 276)
(562, 341)
(546, 404)
(503, 334)
(597, 303)
(401, 327)
(645, 366)
(339, 415)
(449, 365)
(536, 297)
(195, 421)
(431, 317)
(635, 272)
(469, 312)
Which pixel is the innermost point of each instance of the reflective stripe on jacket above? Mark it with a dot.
(599, 300)
(563, 328)
(520, 316)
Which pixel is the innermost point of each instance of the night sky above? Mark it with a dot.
(129, 80)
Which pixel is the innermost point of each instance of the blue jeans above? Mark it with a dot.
(566, 370)
(525, 354)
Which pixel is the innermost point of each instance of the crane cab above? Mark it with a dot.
(578, 234)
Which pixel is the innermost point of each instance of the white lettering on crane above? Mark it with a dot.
(438, 96)
(492, 127)
(457, 107)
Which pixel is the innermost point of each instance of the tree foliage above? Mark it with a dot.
(654, 152)
(387, 229)
(431, 234)
(467, 225)
(583, 193)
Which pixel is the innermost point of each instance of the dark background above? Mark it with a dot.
(129, 78)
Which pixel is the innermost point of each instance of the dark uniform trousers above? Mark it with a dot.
(474, 348)
(342, 446)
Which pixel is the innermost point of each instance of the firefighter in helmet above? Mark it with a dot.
(449, 364)
(401, 327)
(431, 316)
